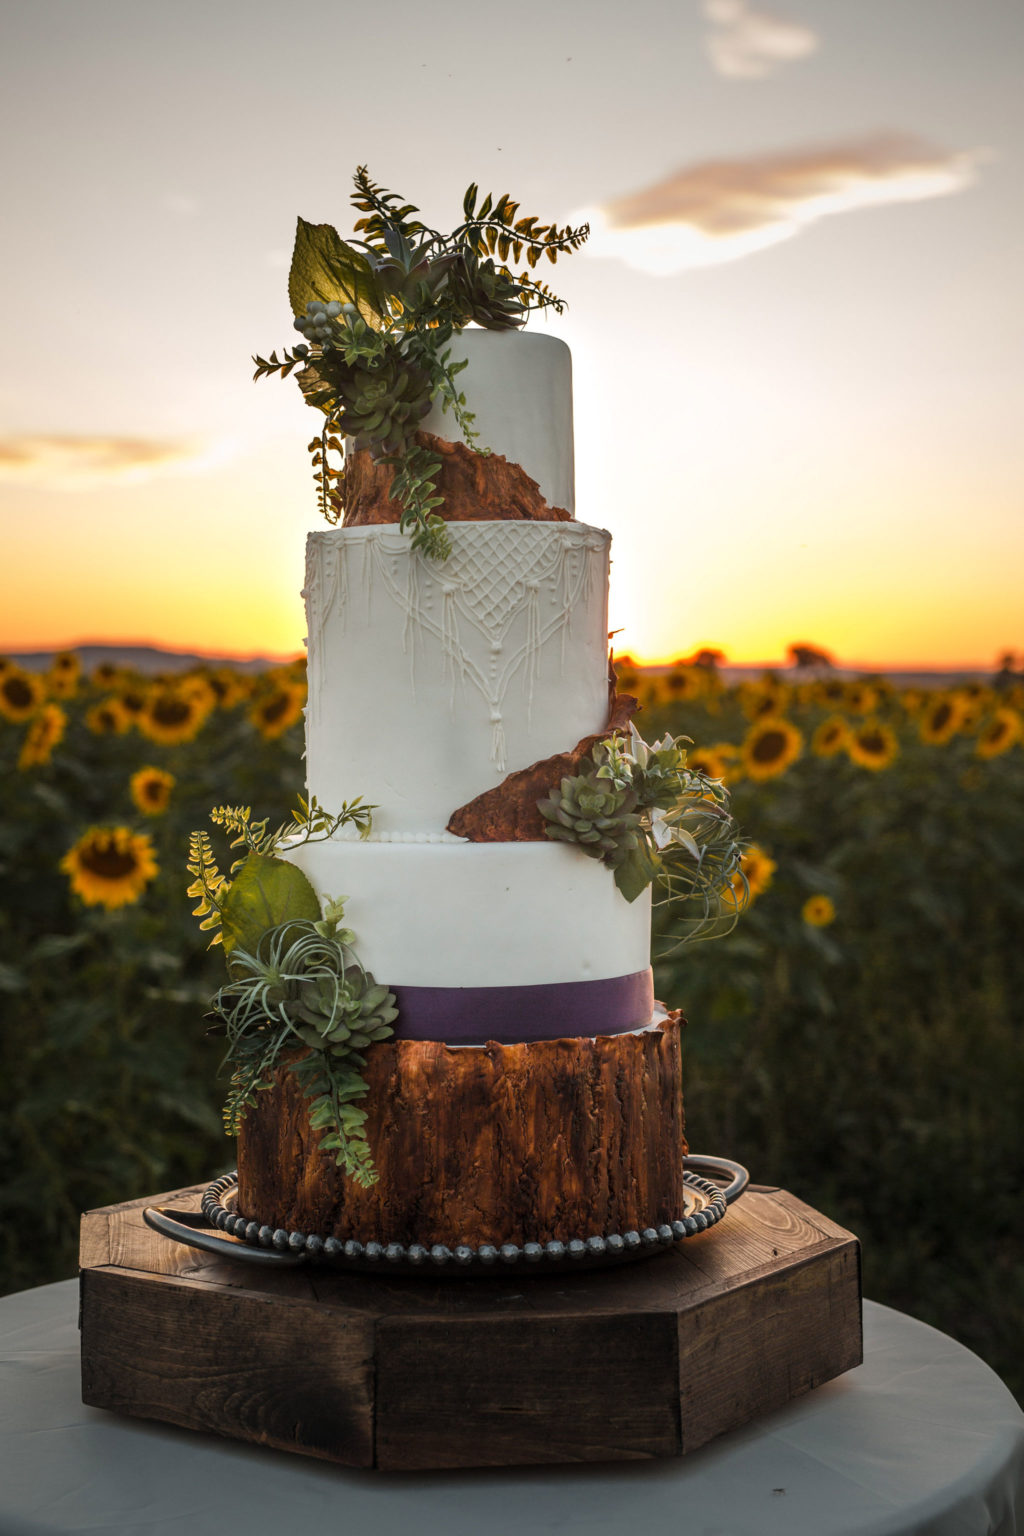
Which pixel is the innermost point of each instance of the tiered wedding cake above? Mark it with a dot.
(532, 1090)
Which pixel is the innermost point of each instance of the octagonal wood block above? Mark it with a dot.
(654, 1358)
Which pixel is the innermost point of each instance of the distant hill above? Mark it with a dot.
(143, 658)
(151, 658)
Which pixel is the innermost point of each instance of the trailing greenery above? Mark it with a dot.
(377, 315)
(303, 987)
(647, 816)
(294, 981)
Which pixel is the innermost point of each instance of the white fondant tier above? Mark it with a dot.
(481, 914)
(520, 388)
(430, 681)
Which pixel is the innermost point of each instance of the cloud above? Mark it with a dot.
(747, 45)
(719, 210)
(70, 463)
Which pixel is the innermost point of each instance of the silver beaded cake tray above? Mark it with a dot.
(706, 1203)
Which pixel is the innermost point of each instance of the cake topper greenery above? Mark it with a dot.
(648, 817)
(377, 314)
(296, 993)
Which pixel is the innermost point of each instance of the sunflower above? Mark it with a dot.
(830, 737)
(21, 694)
(272, 713)
(197, 686)
(831, 692)
(64, 675)
(42, 736)
(105, 675)
(230, 686)
(770, 746)
(680, 683)
(860, 698)
(171, 716)
(705, 760)
(872, 745)
(999, 733)
(818, 911)
(108, 718)
(764, 698)
(151, 790)
(942, 718)
(110, 866)
(133, 697)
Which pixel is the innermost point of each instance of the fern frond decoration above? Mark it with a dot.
(209, 885)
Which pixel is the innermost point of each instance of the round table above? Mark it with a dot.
(921, 1440)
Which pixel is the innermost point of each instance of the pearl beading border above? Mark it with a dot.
(312, 1245)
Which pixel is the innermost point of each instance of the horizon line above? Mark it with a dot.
(229, 655)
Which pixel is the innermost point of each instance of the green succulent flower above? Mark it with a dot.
(600, 816)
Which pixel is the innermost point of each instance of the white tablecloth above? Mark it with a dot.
(921, 1440)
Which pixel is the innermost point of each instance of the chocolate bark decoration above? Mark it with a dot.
(508, 813)
(476, 488)
(503, 1144)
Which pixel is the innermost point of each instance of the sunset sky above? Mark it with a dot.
(797, 328)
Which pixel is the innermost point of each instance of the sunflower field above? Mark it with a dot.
(857, 1038)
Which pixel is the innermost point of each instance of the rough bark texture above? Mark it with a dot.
(506, 1143)
(508, 813)
(475, 487)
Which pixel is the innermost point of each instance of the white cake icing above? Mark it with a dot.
(481, 914)
(520, 388)
(429, 681)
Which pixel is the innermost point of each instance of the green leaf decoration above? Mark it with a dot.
(266, 893)
(636, 871)
(324, 267)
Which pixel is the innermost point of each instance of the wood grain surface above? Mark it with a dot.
(652, 1359)
(506, 1144)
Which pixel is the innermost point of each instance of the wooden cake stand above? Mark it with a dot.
(371, 1370)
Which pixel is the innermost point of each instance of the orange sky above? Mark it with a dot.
(796, 337)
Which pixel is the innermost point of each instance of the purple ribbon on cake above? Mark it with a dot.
(516, 1015)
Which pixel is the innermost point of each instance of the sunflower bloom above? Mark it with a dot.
(105, 675)
(680, 684)
(171, 716)
(830, 737)
(43, 734)
(21, 694)
(273, 713)
(999, 733)
(770, 746)
(108, 718)
(872, 745)
(766, 698)
(705, 760)
(830, 692)
(942, 718)
(818, 911)
(64, 675)
(229, 686)
(860, 698)
(110, 866)
(151, 790)
(133, 698)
